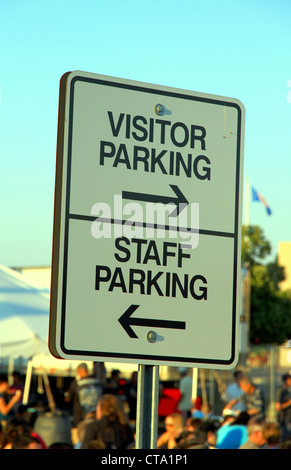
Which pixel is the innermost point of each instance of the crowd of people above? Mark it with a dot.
(242, 424)
(100, 419)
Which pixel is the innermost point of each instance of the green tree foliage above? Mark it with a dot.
(254, 245)
(270, 318)
(276, 272)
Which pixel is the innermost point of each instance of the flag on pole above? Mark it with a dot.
(257, 197)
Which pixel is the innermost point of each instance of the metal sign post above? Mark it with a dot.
(147, 407)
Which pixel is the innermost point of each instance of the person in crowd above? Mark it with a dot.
(111, 425)
(83, 393)
(173, 429)
(207, 433)
(193, 424)
(189, 435)
(272, 433)
(252, 397)
(81, 428)
(233, 431)
(283, 406)
(203, 438)
(256, 439)
(112, 386)
(60, 445)
(131, 396)
(185, 400)
(15, 429)
(17, 387)
(26, 442)
(233, 392)
(6, 402)
(96, 444)
(116, 385)
(18, 383)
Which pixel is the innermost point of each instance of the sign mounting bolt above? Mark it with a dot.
(151, 336)
(159, 109)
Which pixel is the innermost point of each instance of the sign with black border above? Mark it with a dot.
(130, 284)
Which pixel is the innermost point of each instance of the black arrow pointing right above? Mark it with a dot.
(180, 201)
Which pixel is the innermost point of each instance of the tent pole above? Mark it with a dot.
(27, 382)
(49, 394)
(10, 370)
(194, 386)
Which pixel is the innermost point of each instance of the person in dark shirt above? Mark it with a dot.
(252, 397)
(283, 406)
(84, 393)
(110, 427)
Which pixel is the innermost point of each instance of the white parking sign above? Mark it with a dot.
(147, 230)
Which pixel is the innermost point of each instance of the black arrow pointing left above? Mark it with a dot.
(127, 321)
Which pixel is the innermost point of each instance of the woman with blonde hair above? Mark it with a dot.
(174, 428)
(111, 425)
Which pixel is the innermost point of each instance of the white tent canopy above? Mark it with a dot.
(24, 316)
(24, 326)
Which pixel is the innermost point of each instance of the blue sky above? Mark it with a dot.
(240, 49)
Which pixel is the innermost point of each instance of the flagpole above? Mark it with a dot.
(246, 282)
(247, 202)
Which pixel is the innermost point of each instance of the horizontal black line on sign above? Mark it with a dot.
(92, 218)
(172, 92)
(166, 359)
